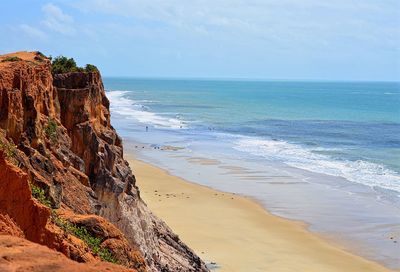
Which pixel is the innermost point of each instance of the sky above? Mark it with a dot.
(252, 39)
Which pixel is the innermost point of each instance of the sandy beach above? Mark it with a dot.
(235, 232)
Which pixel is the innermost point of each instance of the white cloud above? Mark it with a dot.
(57, 20)
(32, 31)
(308, 23)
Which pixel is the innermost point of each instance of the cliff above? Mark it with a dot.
(63, 180)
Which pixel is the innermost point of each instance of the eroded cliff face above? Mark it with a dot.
(66, 145)
(25, 217)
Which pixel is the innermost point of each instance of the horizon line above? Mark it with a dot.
(249, 79)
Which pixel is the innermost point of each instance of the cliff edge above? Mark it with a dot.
(63, 180)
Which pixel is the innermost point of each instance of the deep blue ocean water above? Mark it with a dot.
(348, 129)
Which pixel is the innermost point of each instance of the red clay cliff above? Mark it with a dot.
(64, 183)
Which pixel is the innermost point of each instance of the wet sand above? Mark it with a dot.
(235, 232)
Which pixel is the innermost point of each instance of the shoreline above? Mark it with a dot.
(234, 232)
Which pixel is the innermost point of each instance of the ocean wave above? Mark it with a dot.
(135, 110)
(367, 173)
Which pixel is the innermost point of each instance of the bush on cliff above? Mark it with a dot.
(51, 131)
(40, 195)
(9, 149)
(11, 59)
(91, 68)
(61, 65)
(93, 242)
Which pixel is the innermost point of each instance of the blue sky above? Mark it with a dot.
(269, 39)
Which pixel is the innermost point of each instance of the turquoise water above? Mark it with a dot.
(326, 153)
(258, 100)
(349, 129)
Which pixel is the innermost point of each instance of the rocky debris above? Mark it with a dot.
(66, 146)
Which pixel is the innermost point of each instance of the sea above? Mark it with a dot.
(323, 153)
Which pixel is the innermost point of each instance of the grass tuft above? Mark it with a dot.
(51, 131)
(40, 195)
(10, 150)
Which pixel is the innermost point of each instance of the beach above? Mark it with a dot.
(334, 166)
(235, 233)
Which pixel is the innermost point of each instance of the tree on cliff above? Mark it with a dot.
(61, 65)
(91, 68)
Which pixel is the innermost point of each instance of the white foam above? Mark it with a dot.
(133, 109)
(359, 171)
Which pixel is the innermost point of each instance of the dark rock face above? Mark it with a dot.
(67, 146)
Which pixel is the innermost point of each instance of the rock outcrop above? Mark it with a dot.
(55, 135)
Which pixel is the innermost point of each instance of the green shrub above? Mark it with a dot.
(40, 195)
(62, 223)
(11, 59)
(51, 131)
(89, 68)
(94, 244)
(9, 149)
(106, 255)
(61, 65)
(90, 240)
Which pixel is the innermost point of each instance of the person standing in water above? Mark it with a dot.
(147, 128)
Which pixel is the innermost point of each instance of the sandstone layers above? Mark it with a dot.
(66, 146)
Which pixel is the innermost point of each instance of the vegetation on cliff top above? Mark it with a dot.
(61, 65)
(11, 59)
